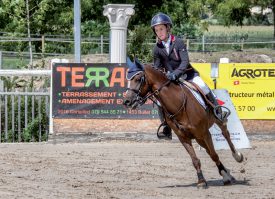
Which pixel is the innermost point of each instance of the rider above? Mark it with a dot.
(170, 53)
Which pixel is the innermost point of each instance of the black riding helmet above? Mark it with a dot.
(161, 18)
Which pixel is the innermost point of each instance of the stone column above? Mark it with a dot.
(118, 15)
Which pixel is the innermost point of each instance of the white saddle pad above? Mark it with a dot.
(198, 97)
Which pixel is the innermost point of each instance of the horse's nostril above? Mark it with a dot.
(126, 102)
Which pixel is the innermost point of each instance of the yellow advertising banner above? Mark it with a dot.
(205, 73)
(251, 87)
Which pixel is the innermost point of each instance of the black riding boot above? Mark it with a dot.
(222, 116)
(166, 130)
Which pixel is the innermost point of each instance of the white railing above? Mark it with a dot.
(24, 72)
(23, 113)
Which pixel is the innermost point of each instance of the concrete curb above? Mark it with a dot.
(129, 136)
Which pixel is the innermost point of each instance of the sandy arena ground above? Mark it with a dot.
(127, 169)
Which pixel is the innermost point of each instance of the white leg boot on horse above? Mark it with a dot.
(224, 172)
(166, 132)
(228, 179)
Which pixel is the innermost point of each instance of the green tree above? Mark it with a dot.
(187, 16)
(12, 15)
(266, 4)
(233, 12)
(140, 37)
(45, 16)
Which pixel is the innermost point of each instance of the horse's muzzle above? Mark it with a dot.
(126, 102)
(130, 103)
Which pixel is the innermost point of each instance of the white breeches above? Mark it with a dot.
(198, 80)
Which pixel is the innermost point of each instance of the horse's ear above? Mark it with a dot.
(133, 69)
(138, 64)
(129, 63)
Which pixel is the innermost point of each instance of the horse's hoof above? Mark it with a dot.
(202, 185)
(233, 180)
(227, 178)
(238, 156)
(227, 182)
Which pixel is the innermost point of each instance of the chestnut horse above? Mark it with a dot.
(188, 119)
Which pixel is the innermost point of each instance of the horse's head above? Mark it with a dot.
(137, 85)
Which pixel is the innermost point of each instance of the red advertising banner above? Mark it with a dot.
(93, 91)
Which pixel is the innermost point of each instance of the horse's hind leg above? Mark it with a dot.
(238, 156)
(195, 160)
(208, 145)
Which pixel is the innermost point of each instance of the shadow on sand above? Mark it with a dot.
(211, 183)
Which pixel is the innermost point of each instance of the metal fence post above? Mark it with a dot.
(187, 44)
(26, 109)
(0, 59)
(6, 117)
(0, 119)
(1, 82)
(101, 44)
(43, 44)
(203, 43)
(242, 44)
(77, 31)
(51, 98)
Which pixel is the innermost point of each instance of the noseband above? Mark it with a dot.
(138, 99)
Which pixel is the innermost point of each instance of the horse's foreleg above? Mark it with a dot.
(238, 156)
(196, 162)
(225, 173)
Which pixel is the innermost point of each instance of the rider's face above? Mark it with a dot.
(161, 31)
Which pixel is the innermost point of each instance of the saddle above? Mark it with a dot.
(196, 88)
(221, 112)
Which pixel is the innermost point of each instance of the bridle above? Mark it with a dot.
(138, 100)
(152, 95)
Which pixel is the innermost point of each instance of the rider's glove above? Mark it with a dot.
(171, 76)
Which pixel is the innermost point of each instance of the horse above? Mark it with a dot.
(183, 113)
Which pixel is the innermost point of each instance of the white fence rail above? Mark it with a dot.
(100, 41)
(60, 45)
(24, 72)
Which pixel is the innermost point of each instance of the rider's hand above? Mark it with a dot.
(171, 76)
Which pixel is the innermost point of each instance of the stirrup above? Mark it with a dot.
(163, 136)
(225, 112)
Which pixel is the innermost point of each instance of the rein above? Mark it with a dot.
(171, 116)
(155, 93)
(141, 100)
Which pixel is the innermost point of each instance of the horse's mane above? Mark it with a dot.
(162, 73)
(155, 68)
